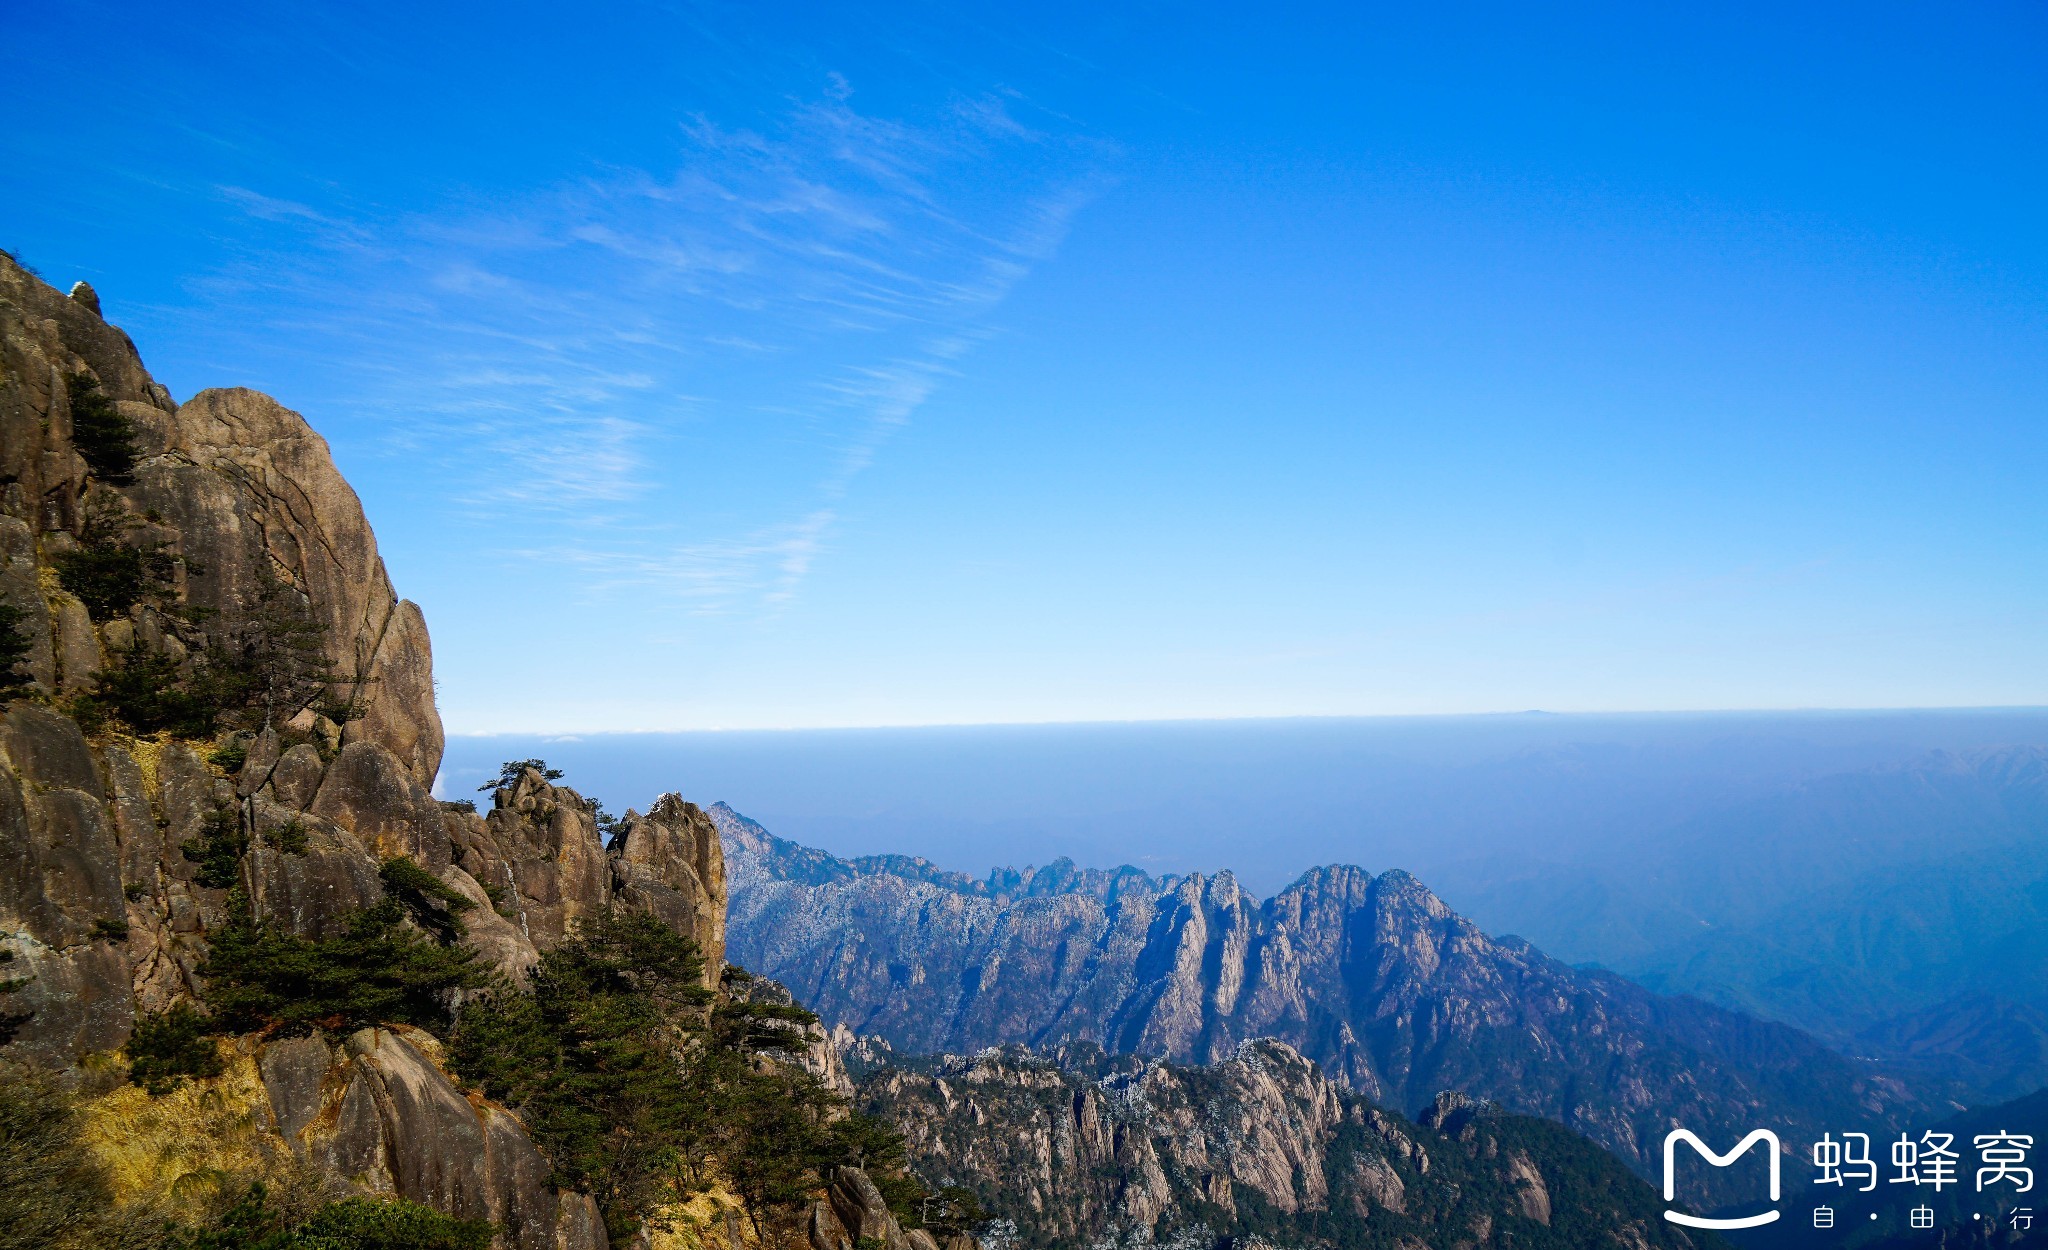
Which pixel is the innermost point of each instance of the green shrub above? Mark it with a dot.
(170, 1046)
(951, 1209)
(219, 848)
(377, 970)
(230, 756)
(108, 574)
(14, 649)
(639, 1096)
(277, 649)
(509, 771)
(433, 904)
(289, 837)
(134, 890)
(589, 1054)
(261, 667)
(390, 1224)
(87, 712)
(252, 1223)
(104, 437)
(150, 692)
(110, 929)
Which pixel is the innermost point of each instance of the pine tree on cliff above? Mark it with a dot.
(103, 437)
(14, 648)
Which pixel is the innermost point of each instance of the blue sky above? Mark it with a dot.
(784, 366)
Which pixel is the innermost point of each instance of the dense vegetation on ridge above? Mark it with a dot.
(641, 1086)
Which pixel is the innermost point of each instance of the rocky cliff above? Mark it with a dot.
(217, 701)
(1073, 1148)
(1372, 977)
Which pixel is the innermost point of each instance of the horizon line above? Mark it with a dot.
(1531, 713)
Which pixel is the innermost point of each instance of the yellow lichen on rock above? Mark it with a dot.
(712, 1220)
(188, 1148)
(148, 756)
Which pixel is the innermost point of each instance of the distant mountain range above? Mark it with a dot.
(1371, 976)
(1879, 880)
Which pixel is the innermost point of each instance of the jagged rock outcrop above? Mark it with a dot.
(538, 856)
(669, 863)
(1371, 976)
(1072, 1147)
(234, 506)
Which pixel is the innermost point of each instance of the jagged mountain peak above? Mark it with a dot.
(1373, 976)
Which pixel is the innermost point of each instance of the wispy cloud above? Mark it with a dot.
(757, 316)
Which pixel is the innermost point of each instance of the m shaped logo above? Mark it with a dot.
(1677, 1135)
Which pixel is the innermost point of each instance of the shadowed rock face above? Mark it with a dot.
(1075, 1148)
(103, 915)
(379, 1110)
(1371, 976)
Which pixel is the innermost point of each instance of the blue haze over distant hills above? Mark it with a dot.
(1264, 798)
(1880, 878)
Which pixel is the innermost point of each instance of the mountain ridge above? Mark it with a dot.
(1076, 1147)
(1372, 976)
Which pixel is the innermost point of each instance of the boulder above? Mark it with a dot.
(370, 792)
(396, 704)
(861, 1210)
(295, 780)
(79, 658)
(21, 589)
(295, 1075)
(501, 942)
(824, 1231)
(60, 862)
(47, 750)
(80, 999)
(309, 891)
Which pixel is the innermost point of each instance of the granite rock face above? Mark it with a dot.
(1071, 1147)
(1372, 977)
(104, 913)
(379, 1111)
(670, 864)
(250, 491)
